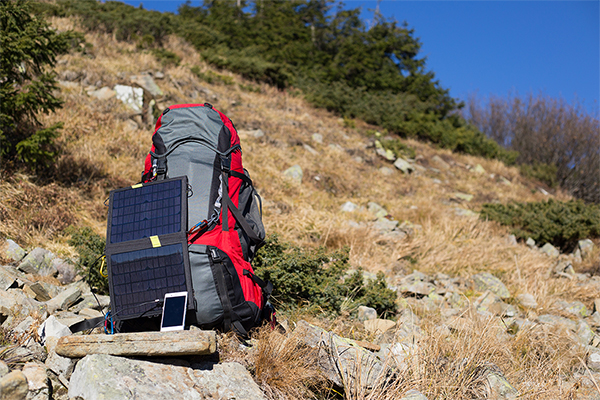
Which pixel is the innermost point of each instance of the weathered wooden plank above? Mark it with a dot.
(176, 343)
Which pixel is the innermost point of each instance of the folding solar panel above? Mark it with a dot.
(146, 247)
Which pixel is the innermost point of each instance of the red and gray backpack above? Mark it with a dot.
(224, 213)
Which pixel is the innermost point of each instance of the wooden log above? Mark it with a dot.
(150, 344)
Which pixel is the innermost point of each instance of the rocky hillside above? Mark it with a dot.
(481, 315)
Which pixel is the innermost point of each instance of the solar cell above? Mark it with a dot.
(146, 211)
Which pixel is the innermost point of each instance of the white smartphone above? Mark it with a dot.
(174, 310)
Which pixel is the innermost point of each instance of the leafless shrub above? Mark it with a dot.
(545, 130)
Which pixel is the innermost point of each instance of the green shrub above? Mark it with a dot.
(560, 223)
(90, 247)
(212, 77)
(543, 172)
(28, 50)
(166, 57)
(315, 279)
(398, 148)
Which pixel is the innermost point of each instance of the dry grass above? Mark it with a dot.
(102, 150)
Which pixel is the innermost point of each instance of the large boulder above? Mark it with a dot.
(102, 376)
(38, 262)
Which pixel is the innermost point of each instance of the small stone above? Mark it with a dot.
(376, 210)
(575, 308)
(348, 207)
(463, 196)
(366, 313)
(52, 328)
(13, 251)
(8, 278)
(386, 171)
(499, 387)
(550, 250)
(104, 93)
(3, 369)
(39, 292)
(66, 271)
(527, 300)
(13, 386)
(557, 322)
(479, 169)
(146, 82)
(90, 313)
(461, 212)
(385, 225)
(37, 380)
(593, 361)
(379, 326)
(404, 166)
(505, 181)
(294, 173)
(530, 242)
(159, 75)
(317, 138)
(64, 300)
(38, 262)
(486, 281)
(414, 395)
(511, 240)
(586, 246)
(439, 162)
(310, 150)
(131, 97)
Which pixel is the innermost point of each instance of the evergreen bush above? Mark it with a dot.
(90, 247)
(28, 50)
(315, 279)
(562, 224)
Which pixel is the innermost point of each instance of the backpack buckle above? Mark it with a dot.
(225, 164)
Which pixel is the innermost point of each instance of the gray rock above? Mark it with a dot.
(24, 326)
(527, 300)
(37, 380)
(593, 361)
(317, 138)
(104, 93)
(131, 97)
(8, 278)
(15, 302)
(550, 250)
(3, 369)
(70, 75)
(159, 75)
(12, 251)
(463, 196)
(64, 300)
(497, 385)
(462, 212)
(89, 301)
(294, 173)
(512, 240)
(530, 242)
(146, 82)
(492, 303)
(340, 360)
(575, 308)
(66, 271)
(439, 162)
(586, 246)
(13, 386)
(478, 169)
(585, 333)
(365, 313)
(348, 207)
(384, 153)
(61, 366)
(52, 328)
(310, 150)
(38, 262)
(125, 379)
(385, 171)
(416, 283)
(404, 166)
(557, 322)
(376, 210)
(38, 291)
(486, 281)
(414, 395)
(385, 225)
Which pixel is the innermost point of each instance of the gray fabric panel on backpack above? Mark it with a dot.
(194, 160)
(208, 303)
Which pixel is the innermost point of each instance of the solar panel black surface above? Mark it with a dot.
(146, 211)
(142, 276)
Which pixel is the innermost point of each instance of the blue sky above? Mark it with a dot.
(497, 47)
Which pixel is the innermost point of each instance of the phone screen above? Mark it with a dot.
(174, 311)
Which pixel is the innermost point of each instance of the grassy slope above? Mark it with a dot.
(101, 153)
